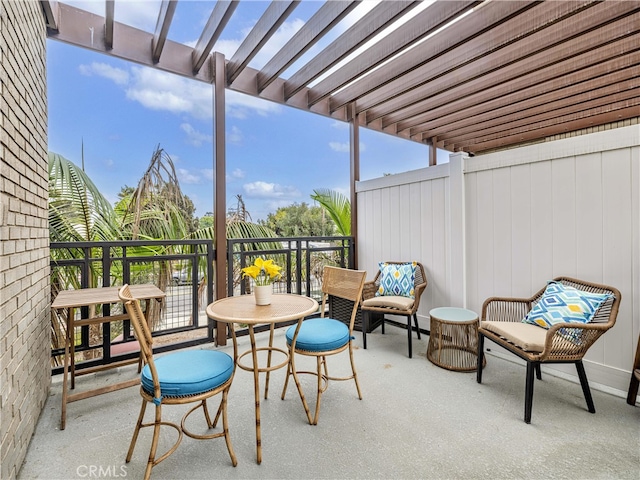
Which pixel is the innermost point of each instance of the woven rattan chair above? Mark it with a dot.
(190, 376)
(501, 322)
(322, 337)
(393, 305)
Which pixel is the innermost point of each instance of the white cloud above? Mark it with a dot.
(158, 90)
(161, 91)
(234, 136)
(276, 42)
(238, 173)
(340, 146)
(239, 105)
(117, 75)
(269, 190)
(344, 147)
(194, 137)
(142, 15)
(339, 125)
(187, 177)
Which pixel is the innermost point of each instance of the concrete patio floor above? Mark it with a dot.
(416, 421)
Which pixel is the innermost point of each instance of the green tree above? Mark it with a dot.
(337, 206)
(299, 220)
(205, 221)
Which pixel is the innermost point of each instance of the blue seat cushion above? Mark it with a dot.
(189, 372)
(319, 334)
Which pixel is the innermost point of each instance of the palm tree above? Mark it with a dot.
(337, 206)
(77, 212)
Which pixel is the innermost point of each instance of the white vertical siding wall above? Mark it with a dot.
(568, 207)
(405, 217)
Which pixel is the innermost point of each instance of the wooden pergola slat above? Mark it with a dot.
(473, 97)
(527, 103)
(167, 9)
(490, 32)
(318, 25)
(418, 27)
(275, 15)
(367, 27)
(464, 74)
(215, 25)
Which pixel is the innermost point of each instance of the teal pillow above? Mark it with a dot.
(561, 303)
(397, 279)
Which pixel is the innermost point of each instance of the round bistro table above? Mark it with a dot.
(243, 309)
(453, 342)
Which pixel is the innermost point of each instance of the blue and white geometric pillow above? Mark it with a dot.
(397, 279)
(560, 304)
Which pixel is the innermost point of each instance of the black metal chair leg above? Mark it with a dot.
(365, 327)
(415, 320)
(409, 336)
(480, 357)
(585, 386)
(538, 372)
(528, 392)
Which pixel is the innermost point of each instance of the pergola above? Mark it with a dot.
(472, 76)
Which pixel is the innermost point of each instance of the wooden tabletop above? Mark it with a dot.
(243, 309)
(103, 295)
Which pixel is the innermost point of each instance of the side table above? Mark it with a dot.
(453, 342)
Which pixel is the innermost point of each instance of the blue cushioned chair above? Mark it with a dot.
(190, 376)
(321, 337)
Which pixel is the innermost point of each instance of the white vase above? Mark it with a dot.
(263, 294)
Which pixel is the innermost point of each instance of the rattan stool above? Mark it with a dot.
(453, 342)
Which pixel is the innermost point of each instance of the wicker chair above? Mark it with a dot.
(392, 305)
(168, 381)
(322, 337)
(501, 322)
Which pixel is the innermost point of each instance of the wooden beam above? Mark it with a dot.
(109, 6)
(50, 10)
(215, 25)
(418, 27)
(511, 118)
(472, 37)
(275, 15)
(559, 101)
(519, 42)
(574, 121)
(494, 89)
(569, 74)
(354, 176)
(220, 189)
(329, 14)
(165, 16)
(133, 45)
(361, 32)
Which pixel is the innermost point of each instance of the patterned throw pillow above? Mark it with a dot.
(560, 304)
(397, 279)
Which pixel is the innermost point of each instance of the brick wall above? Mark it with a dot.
(24, 234)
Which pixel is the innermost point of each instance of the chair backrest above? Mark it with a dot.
(419, 283)
(607, 312)
(142, 330)
(343, 283)
(420, 280)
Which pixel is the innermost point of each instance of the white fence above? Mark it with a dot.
(505, 223)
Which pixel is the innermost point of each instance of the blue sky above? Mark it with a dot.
(276, 155)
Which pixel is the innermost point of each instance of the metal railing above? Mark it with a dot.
(184, 269)
(181, 268)
(301, 258)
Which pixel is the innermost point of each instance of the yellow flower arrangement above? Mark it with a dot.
(264, 272)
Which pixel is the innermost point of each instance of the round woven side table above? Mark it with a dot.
(453, 342)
